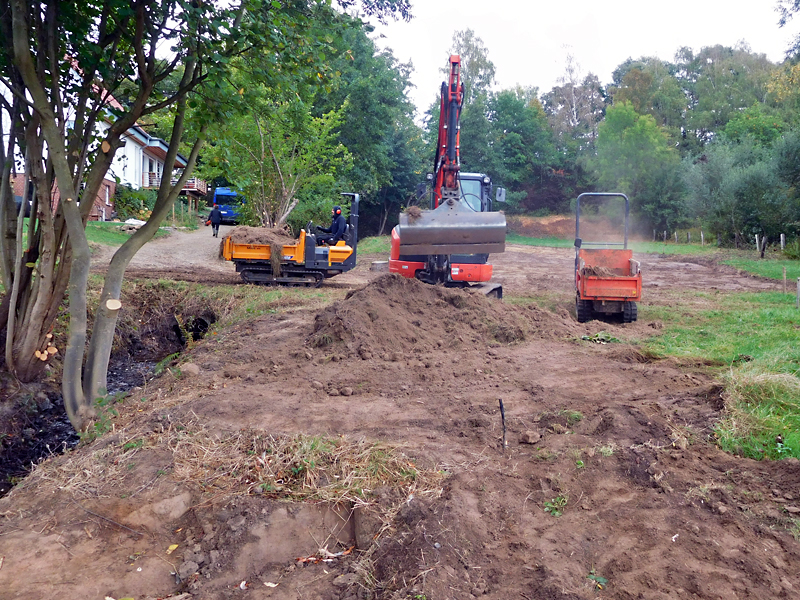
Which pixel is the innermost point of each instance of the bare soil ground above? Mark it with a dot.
(620, 444)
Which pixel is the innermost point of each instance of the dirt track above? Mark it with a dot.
(653, 508)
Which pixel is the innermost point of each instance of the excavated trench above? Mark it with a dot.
(34, 424)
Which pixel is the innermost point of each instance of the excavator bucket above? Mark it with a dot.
(452, 229)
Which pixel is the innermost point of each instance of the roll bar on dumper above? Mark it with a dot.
(607, 280)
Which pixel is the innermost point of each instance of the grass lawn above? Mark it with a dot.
(375, 245)
(753, 338)
(642, 247)
(106, 233)
(767, 267)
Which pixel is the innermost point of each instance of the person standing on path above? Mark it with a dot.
(215, 216)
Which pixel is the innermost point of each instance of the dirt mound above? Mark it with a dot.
(554, 226)
(598, 272)
(267, 236)
(414, 213)
(395, 314)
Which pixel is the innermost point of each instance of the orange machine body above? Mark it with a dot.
(624, 285)
(407, 266)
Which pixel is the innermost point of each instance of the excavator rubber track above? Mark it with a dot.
(291, 277)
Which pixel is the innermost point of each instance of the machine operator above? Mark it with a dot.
(335, 232)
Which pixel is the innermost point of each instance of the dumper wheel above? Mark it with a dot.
(583, 310)
(629, 312)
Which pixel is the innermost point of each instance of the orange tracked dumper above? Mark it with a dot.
(607, 280)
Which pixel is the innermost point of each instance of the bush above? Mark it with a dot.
(134, 204)
(792, 250)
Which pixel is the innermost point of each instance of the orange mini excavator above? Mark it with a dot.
(450, 243)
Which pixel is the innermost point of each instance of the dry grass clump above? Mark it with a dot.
(762, 414)
(81, 474)
(297, 467)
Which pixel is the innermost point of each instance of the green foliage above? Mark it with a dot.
(792, 250)
(105, 411)
(719, 82)
(601, 337)
(377, 129)
(276, 152)
(522, 139)
(477, 71)
(556, 506)
(634, 157)
(134, 204)
(599, 582)
(165, 362)
(753, 122)
(741, 188)
(651, 87)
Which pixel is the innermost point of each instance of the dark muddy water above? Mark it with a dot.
(40, 428)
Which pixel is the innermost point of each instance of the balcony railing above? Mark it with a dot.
(193, 184)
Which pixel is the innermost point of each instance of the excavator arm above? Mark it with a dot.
(448, 158)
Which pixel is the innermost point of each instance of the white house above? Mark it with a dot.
(139, 163)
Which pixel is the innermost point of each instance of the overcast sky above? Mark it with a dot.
(528, 42)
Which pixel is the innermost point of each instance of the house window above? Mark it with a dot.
(108, 194)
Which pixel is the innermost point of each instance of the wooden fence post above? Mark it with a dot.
(702, 238)
(688, 237)
(665, 237)
(676, 237)
(757, 244)
(783, 242)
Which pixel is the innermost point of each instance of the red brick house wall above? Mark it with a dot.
(103, 201)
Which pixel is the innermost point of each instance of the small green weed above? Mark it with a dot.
(556, 505)
(104, 407)
(572, 416)
(599, 582)
(606, 451)
(601, 337)
(795, 529)
(165, 362)
(133, 445)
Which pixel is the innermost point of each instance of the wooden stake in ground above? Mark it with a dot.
(503, 410)
(783, 242)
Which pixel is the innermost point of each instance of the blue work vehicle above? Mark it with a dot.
(229, 202)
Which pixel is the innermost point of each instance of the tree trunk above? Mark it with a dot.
(95, 380)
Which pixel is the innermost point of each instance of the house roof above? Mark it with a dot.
(158, 148)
